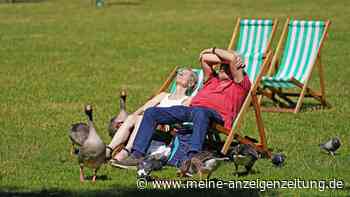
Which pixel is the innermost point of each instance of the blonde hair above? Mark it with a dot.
(192, 83)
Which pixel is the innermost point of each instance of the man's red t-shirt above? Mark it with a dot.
(224, 96)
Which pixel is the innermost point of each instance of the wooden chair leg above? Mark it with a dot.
(259, 122)
(322, 81)
(300, 100)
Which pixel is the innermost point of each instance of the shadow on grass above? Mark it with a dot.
(314, 107)
(125, 192)
(347, 189)
(245, 173)
(134, 192)
(21, 1)
(125, 2)
(120, 191)
(305, 107)
(98, 177)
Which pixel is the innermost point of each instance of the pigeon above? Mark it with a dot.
(147, 165)
(331, 146)
(116, 121)
(278, 159)
(204, 163)
(91, 152)
(210, 164)
(245, 155)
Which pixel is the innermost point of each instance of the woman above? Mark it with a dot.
(185, 83)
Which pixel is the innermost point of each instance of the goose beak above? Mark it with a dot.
(123, 93)
(88, 108)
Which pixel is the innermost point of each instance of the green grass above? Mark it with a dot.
(57, 55)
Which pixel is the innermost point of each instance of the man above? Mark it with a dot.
(219, 100)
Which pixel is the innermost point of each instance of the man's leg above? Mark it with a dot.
(201, 118)
(151, 118)
(154, 116)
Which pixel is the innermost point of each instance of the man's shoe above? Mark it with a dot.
(128, 163)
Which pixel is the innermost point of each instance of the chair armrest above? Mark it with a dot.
(220, 128)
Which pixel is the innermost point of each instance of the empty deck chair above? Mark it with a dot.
(302, 51)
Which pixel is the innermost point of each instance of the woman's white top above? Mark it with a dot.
(166, 102)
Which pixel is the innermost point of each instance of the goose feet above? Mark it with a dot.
(94, 176)
(82, 175)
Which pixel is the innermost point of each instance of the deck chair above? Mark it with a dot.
(302, 50)
(254, 41)
(233, 133)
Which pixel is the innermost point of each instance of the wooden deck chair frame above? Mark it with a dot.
(305, 90)
(233, 133)
(251, 98)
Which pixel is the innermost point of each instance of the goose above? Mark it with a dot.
(116, 121)
(92, 150)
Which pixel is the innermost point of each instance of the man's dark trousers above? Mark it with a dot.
(199, 116)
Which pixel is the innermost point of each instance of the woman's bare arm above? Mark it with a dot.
(187, 101)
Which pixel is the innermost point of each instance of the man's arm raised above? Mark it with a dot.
(232, 59)
(207, 60)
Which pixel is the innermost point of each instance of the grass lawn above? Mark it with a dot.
(57, 55)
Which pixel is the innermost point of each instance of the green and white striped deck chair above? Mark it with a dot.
(301, 52)
(255, 36)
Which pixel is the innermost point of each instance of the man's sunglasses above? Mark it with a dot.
(224, 67)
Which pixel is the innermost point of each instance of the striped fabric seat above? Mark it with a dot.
(200, 75)
(252, 44)
(300, 53)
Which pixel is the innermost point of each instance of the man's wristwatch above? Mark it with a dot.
(241, 66)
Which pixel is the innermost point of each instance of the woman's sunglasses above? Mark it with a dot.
(180, 72)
